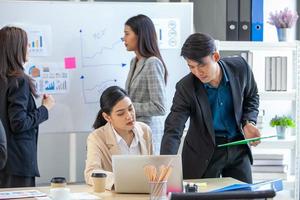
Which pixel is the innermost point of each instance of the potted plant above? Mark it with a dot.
(283, 20)
(281, 123)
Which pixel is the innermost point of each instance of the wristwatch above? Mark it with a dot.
(246, 122)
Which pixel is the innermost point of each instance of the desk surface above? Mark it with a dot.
(212, 183)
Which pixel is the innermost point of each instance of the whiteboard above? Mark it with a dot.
(78, 46)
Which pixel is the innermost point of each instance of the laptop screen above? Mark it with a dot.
(130, 176)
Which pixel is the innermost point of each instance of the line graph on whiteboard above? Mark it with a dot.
(98, 49)
(93, 93)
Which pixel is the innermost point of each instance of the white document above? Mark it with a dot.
(75, 196)
(17, 194)
(83, 196)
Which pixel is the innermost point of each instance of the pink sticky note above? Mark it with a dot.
(70, 63)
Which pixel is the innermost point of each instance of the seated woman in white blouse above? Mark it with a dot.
(116, 132)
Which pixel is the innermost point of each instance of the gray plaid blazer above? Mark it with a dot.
(146, 87)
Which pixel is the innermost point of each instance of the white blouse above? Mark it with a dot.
(134, 148)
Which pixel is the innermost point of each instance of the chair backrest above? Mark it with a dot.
(181, 142)
(3, 146)
(242, 194)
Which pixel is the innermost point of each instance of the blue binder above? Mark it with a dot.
(276, 185)
(257, 20)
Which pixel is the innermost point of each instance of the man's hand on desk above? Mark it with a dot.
(251, 131)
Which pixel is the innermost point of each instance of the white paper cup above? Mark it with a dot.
(60, 193)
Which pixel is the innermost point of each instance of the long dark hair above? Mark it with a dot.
(13, 51)
(144, 28)
(109, 98)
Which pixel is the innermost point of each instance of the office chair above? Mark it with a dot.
(3, 146)
(263, 194)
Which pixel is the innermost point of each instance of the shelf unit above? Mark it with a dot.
(278, 95)
(292, 94)
(297, 158)
(288, 143)
(253, 46)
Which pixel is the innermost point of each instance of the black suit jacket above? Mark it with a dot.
(3, 150)
(20, 119)
(191, 101)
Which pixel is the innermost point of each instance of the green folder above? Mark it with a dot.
(245, 141)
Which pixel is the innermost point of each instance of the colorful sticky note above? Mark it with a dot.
(70, 63)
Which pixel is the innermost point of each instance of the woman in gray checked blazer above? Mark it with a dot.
(146, 81)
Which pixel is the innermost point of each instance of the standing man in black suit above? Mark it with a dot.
(221, 99)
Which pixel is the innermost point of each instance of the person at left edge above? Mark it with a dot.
(18, 111)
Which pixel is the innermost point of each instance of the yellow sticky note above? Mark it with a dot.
(203, 184)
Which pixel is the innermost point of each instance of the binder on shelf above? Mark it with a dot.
(278, 74)
(247, 55)
(268, 73)
(284, 73)
(244, 29)
(273, 73)
(257, 20)
(232, 18)
(206, 10)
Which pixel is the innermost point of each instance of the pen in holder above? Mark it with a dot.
(158, 182)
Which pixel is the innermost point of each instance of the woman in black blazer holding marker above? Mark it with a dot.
(18, 112)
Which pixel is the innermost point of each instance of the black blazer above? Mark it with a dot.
(20, 119)
(191, 101)
(3, 150)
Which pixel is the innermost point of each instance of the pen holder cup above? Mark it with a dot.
(158, 190)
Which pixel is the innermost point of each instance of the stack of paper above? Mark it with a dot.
(269, 166)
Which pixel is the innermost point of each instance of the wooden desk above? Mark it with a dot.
(107, 195)
(212, 183)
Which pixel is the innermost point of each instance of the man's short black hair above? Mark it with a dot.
(198, 46)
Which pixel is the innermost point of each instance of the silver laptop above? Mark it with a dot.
(130, 176)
